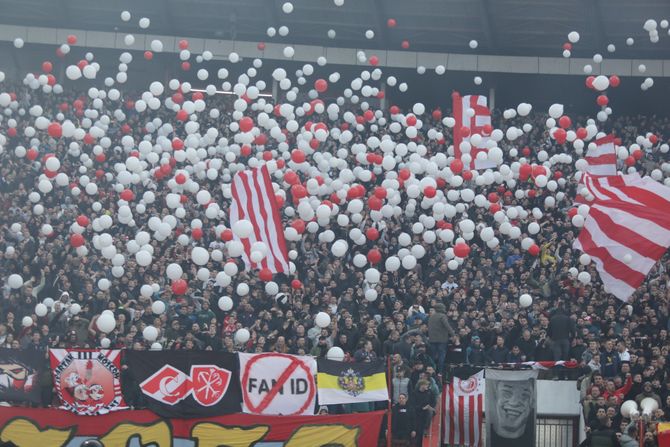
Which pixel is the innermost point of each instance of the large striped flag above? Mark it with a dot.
(463, 409)
(474, 125)
(254, 200)
(602, 157)
(627, 230)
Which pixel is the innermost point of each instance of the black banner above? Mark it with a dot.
(20, 372)
(186, 383)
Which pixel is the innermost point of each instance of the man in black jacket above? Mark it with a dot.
(402, 422)
(561, 331)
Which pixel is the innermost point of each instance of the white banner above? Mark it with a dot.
(278, 384)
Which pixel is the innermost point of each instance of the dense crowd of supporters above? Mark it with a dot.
(424, 319)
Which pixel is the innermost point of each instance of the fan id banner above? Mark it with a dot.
(88, 382)
(186, 383)
(31, 427)
(281, 384)
(19, 375)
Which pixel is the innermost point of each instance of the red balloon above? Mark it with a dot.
(637, 155)
(227, 235)
(429, 191)
(11, 132)
(405, 44)
(437, 114)
(197, 95)
(183, 44)
(76, 240)
(374, 60)
(589, 81)
(83, 221)
(494, 208)
(245, 150)
(177, 143)
(567, 46)
(32, 154)
(493, 197)
(71, 39)
(296, 284)
(411, 120)
(47, 66)
(391, 23)
(89, 139)
(261, 46)
(374, 256)
(534, 250)
(291, 178)
(179, 287)
(630, 161)
(182, 115)
(148, 55)
(560, 136)
(462, 250)
(456, 166)
(321, 85)
(298, 156)
(51, 79)
(404, 174)
(55, 130)
(615, 81)
(196, 233)
(653, 138)
(372, 234)
(246, 124)
(265, 275)
(572, 212)
(524, 171)
(564, 122)
(127, 195)
(380, 192)
(467, 175)
(298, 191)
(186, 66)
(375, 203)
(465, 131)
(394, 110)
(582, 133)
(369, 115)
(602, 100)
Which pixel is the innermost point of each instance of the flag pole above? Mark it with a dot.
(389, 431)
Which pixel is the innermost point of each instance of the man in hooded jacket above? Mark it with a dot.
(439, 332)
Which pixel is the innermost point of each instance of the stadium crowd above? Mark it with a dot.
(425, 319)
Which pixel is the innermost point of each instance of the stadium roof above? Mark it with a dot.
(511, 27)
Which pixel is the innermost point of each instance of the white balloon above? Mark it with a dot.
(525, 300)
(225, 303)
(15, 281)
(41, 310)
(242, 336)
(322, 320)
(106, 323)
(157, 307)
(150, 333)
(335, 353)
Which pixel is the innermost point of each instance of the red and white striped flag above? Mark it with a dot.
(544, 364)
(463, 409)
(627, 230)
(602, 158)
(254, 200)
(475, 124)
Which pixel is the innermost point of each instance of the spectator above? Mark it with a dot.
(439, 332)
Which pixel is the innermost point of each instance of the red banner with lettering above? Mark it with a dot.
(28, 427)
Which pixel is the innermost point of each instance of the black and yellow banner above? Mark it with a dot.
(344, 382)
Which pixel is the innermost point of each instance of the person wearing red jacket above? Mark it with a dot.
(610, 389)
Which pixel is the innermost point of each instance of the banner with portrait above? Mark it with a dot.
(19, 374)
(511, 408)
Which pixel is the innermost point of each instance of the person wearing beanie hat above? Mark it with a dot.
(439, 331)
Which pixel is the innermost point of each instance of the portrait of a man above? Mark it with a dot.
(510, 411)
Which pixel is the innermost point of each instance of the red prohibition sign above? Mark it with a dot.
(267, 400)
